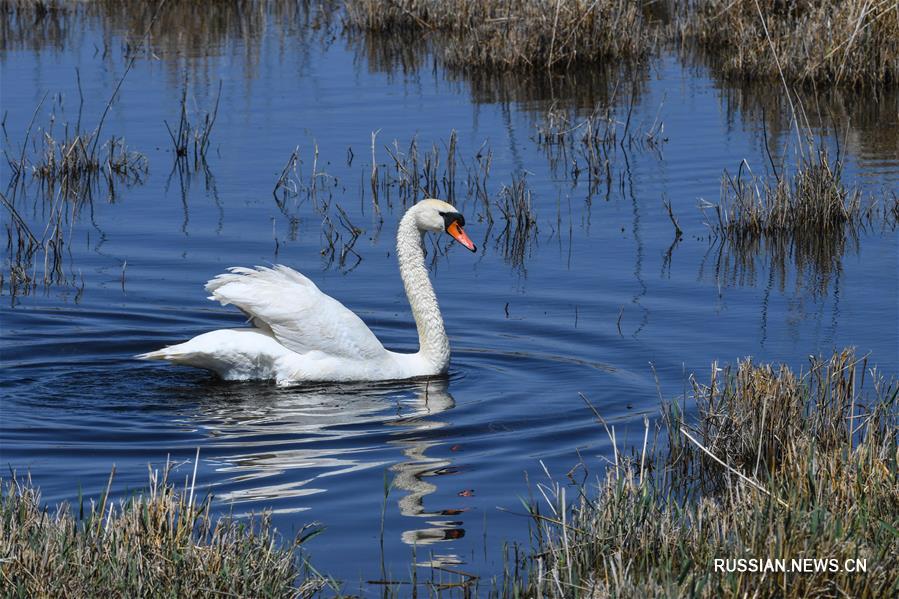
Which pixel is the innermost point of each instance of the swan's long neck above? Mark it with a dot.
(434, 345)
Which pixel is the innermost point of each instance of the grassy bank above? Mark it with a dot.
(162, 543)
(810, 42)
(776, 465)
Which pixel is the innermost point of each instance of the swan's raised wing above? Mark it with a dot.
(299, 315)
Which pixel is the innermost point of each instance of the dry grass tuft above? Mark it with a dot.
(520, 34)
(163, 543)
(815, 202)
(77, 169)
(823, 42)
(810, 218)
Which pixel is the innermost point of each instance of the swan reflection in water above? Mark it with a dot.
(277, 445)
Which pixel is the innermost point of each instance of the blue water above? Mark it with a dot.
(596, 302)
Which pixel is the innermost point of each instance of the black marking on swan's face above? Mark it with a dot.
(451, 217)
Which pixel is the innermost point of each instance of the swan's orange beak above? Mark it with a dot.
(457, 233)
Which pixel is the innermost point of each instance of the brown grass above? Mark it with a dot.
(519, 34)
(775, 465)
(810, 218)
(161, 543)
(813, 42)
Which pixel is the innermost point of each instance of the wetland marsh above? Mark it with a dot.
(137, 167)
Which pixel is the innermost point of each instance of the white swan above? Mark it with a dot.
(301, 334)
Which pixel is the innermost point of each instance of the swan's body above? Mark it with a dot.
(301, 334)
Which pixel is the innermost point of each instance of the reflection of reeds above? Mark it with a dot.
(855, 117)
(161, 542)
(34, 24)
(190, 139)
(291, 185)
(519, 34)
(184, 33)
(891, 211)
(574, 147)
(519, 229)
(339, 234)
(811, 41)
(287, 186)
(340, 244)
(25, 249)
(775, 466)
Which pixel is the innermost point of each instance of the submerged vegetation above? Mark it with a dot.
(160, 543)
(53, 177)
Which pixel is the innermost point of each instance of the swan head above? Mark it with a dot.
(438, 216)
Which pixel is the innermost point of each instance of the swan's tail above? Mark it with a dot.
(170, 353)
(152, 355)
(234, 354)
(183, 353)
(216, 350)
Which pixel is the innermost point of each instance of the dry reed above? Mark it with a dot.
(63, 171)
(190, 140)
(810, 218)
(161, 543)
(519, 222)
(484, 34)
(776, 465)
(814, 42)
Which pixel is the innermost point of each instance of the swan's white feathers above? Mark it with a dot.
(301, 334)
(299, 315)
